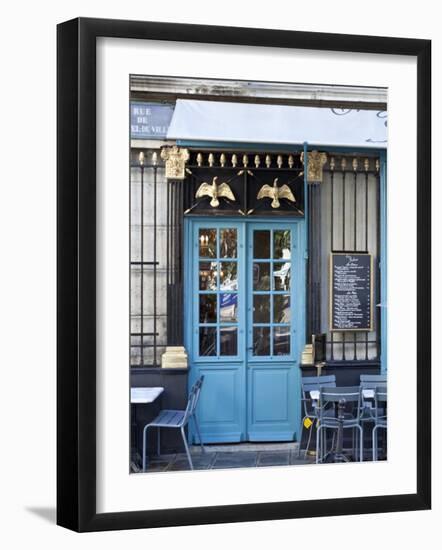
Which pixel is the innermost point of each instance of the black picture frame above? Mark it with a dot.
(76, 273)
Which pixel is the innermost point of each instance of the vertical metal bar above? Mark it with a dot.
(306, 205)
(167, 262)
(142, 267)
(245, 202)
(172, 258)
(181, 261)
(307, 241)
(314, 260)
(383, 265)
(366, 211)
(366, 237)
(355, 166)
(178, 256)
(378, 256)
(309, 312)
(131, 260)
(343, 204)
(314, 254)
(155, 266)
(332, 173)
(354, 214)
(343, 163)
(175, 258)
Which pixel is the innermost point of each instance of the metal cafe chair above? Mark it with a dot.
(347, 401)
(369, 382)
(312, 383)
(178, 420)
(380, 401)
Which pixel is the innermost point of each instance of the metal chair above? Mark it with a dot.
(380, 401)
(178, 420)
(369, 382)
(312, 383)
(348, 402)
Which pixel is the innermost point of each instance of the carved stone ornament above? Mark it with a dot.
(175, 159)
(316, 161)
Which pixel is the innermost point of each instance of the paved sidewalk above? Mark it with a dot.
(219, 457)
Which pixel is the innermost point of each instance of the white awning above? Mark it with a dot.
(195, 120)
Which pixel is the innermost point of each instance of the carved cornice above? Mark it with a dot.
(341, 96)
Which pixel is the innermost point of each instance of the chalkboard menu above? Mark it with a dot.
(351, 291)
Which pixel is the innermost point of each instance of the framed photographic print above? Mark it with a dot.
(243, 274)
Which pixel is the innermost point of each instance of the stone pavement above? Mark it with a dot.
(219, 457)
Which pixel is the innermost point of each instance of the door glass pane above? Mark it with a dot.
(261, 244)
(281, 340)
(218, 298)
(261, 308)
(281, 308)
(228, 341)
(207, 243)
(281, 276)
(261, 276)
(208, 275)
(228, 243)
(261, 341)
(207, 308)
(281, 244)
(207, 341)
(228, 276)
(228, 307)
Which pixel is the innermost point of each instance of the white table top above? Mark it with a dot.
(368, 394)
(145, 395)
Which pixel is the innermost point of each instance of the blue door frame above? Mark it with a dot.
(306, 147)
(246, 397)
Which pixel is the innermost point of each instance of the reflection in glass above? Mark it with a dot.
(261, 341)
(281, 340)
(228, 240)
(228, 341)
(281, 276)
(208, 275)
(281, 308)
(228, 276)
(228, 307)
(261, 276)
(261, 308)
(207, 308)
(261, 244)
(281, 244)
(207, 243)
(207, 341)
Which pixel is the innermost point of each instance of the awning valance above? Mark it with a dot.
(195, 120)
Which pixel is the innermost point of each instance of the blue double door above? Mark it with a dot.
(244, 326)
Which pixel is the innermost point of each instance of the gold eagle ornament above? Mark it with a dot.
(215, 191)
(275, 193)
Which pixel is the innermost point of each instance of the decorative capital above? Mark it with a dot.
(316, 161)
(175, 159)
(307, 355)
